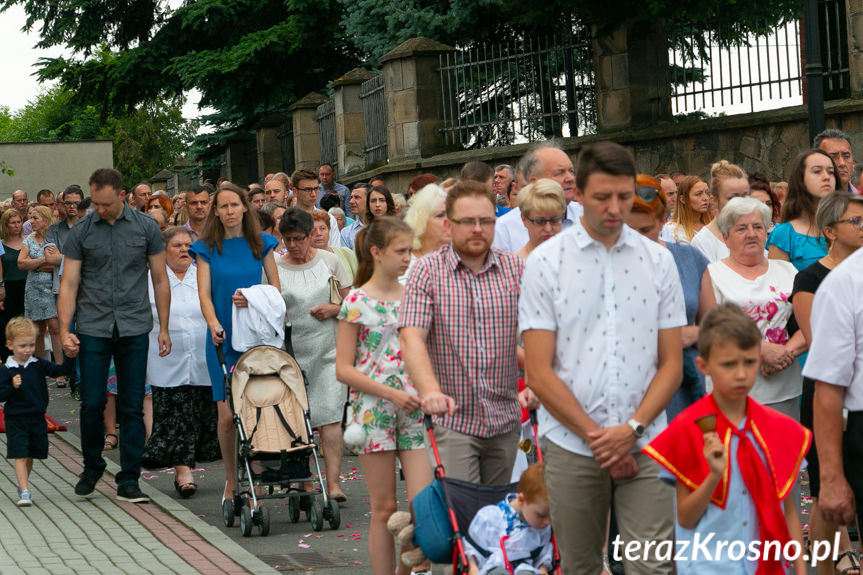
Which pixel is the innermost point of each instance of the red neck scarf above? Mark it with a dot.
(783, 441)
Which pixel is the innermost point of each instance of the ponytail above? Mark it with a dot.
(379, 233)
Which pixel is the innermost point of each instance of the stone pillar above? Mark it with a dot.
(414, 100)
(350, 126)
(307, 135)
(855, 46)
(632, 81)
(269, 147)
(235, 157)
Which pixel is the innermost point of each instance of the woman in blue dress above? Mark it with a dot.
(232, 254)
(797, 239)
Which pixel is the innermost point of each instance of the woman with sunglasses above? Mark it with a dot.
(839, 218)
(691, 213)
(543, 209)
(647, 217)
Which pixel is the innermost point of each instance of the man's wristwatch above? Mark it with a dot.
(637, 428)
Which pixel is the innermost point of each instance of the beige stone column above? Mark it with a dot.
(414, 99)
(855, 46)
(632, 88)
(307, 135)
(269, 147)
(350, 126)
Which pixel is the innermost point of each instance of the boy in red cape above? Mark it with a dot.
(734, 462)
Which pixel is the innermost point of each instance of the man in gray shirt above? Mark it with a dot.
(105, 280)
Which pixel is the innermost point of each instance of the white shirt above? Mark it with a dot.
(606, 308)
(713, 248)
(674, 233)
(510, 233)
(187, 362)
(10, 362)
(765, 300)
(836, 353)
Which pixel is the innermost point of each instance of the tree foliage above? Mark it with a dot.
(146, 140)
(247, 57)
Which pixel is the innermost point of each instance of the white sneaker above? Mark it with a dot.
(24, 498)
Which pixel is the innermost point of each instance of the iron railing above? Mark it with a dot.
(760, 73)
(327, 125)
(534, 89)
(286, 144)
(375, 119)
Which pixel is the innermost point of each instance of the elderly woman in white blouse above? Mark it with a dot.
(184, 415)
(761, 287)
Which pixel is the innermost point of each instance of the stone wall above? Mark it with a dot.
(765, 142)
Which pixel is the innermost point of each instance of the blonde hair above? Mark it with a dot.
(20, 327)
(684, 216)
(721, 171)
(543, 195)
(423, 205)
(45, 213)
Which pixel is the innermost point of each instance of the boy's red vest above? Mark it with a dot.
(783, 441)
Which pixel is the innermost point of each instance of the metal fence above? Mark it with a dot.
(763, 72)
(327, 126)
(502, 94)
(375, 119)
(286, 144)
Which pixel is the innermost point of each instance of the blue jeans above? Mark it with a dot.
(130, 361)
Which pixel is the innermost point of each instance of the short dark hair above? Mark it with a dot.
(330, 201)
(477, 172)
(466, 189)
(109, 177)
(296, 220)
(603, 158)
(73, 189)
(255, 192)
(196, 189)
(358, 185)
(42, 193)
(302, 175)
(830, 134)
(727, 322)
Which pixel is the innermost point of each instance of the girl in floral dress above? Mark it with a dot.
(384, 419)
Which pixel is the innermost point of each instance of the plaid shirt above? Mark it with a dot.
(472, 322)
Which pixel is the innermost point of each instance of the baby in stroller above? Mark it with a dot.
(513, 536)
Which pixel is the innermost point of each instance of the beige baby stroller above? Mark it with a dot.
(267, 395)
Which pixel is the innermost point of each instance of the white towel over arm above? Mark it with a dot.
(262, 323)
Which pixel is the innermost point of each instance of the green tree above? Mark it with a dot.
(146, 140)
(247, 57)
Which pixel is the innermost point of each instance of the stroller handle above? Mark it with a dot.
(220, 353)
(289, 346)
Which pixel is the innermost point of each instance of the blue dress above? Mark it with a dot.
(235, 268)
(802, 250)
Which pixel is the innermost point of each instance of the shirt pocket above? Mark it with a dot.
(136, 251)
(97, 253)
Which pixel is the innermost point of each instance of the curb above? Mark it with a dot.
(207, 532)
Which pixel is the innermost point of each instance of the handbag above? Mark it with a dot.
(335, 292)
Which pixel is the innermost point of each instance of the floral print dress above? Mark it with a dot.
(379, 356)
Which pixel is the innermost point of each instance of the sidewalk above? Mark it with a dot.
(62, 533)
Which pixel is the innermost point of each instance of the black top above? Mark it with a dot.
(32, 397)
(808, 280)
(113, 289)
(11, 272)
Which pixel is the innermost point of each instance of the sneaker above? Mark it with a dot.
(24, 498)
(85, 486)
(132, 493)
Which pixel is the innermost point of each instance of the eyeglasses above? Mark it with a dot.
(308, 190)
(856, 221)
(542, 221)
(646, 193)
(294, 239)
(472, 222)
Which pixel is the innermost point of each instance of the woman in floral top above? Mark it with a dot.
(761, 288)
(384, 419)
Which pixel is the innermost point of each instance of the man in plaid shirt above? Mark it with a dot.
(459, 318)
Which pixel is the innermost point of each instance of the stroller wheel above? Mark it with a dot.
(294, 509)
(228, 512)
(316, 515)
(263, 521)
(246, 521)
(332, 513)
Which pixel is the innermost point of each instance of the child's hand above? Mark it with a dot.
(16, 381)
(714, 453)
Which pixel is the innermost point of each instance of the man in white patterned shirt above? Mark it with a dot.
(600, 314)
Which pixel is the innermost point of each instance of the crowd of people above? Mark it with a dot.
(581, 291)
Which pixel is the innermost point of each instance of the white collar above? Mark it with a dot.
(10, 362)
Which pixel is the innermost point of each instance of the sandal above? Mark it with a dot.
(338, 496)
(109, 445)
(186, 490)
(60, 383)
(852, 558)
